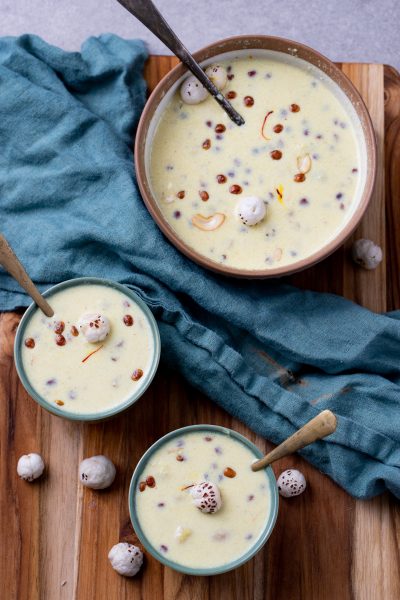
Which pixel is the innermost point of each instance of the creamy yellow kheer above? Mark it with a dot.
(298, 151)
(80, 376)
(175, 526)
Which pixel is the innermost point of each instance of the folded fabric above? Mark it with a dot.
(270, 354)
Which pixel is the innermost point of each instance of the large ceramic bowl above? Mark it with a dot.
(147, 379)
(221, 50)
(133, 491)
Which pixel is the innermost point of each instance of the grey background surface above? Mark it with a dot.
(344, 30)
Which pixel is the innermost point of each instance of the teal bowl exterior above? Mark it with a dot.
(105, 414)
(220, 568)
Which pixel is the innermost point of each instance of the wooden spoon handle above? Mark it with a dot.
(11, 264)
(319, 427)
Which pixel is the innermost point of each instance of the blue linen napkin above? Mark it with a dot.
(270, 354)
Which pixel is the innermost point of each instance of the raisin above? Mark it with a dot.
(137, 374)
(299, 177)
(276, 154)
(229, 472)
(248, 101)
(60, 340)
(59, 327)
(30, 343)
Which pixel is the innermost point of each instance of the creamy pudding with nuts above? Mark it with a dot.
(273, 191)
(93, 354)
(197, 501)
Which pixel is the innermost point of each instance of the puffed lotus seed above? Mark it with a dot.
(218, 75)
(94, 326)
(30, 466)
(367, 254)
(126, 559)
(291, 483)
(250, 210)
(192, 92)
(97, 472)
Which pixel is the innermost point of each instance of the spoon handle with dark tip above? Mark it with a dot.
(148, 14)
(11, 264)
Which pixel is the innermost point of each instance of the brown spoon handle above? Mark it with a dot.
(11, 264)
(319, 427)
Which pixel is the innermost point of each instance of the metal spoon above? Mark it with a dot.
(149, 15)
(319, 427)
(11, 264)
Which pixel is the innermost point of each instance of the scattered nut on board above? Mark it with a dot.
(97, 472)
(367, 254)
(291, 483)
(126, 559)
(30, 466)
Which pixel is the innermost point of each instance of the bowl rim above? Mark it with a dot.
(110, 412)
(270, 523)
(252, 42)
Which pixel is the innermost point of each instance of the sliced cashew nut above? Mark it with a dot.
(304, 163)
(208, 223)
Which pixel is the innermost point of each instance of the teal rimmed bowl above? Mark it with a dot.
(133, 490)
(105, 414)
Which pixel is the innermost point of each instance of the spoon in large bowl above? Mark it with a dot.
(319, 427)
(149, 15)
(11, 264)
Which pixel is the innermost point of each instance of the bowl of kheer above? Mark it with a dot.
(280, 192)
(95, 357)
(195, 503)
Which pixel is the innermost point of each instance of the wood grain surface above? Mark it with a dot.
(55, 535)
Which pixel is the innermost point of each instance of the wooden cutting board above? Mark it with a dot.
(55, 535)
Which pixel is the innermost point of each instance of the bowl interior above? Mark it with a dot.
(104, 414)
(278, 49)
(269, 525)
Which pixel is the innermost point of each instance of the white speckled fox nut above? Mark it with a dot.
(94, 327)
(206, 497)
(218, 75)
(192, 92)
(367, 254)
(30, 466)
(291, 483)
(250, 210)
(126, 559)
(97, 472)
